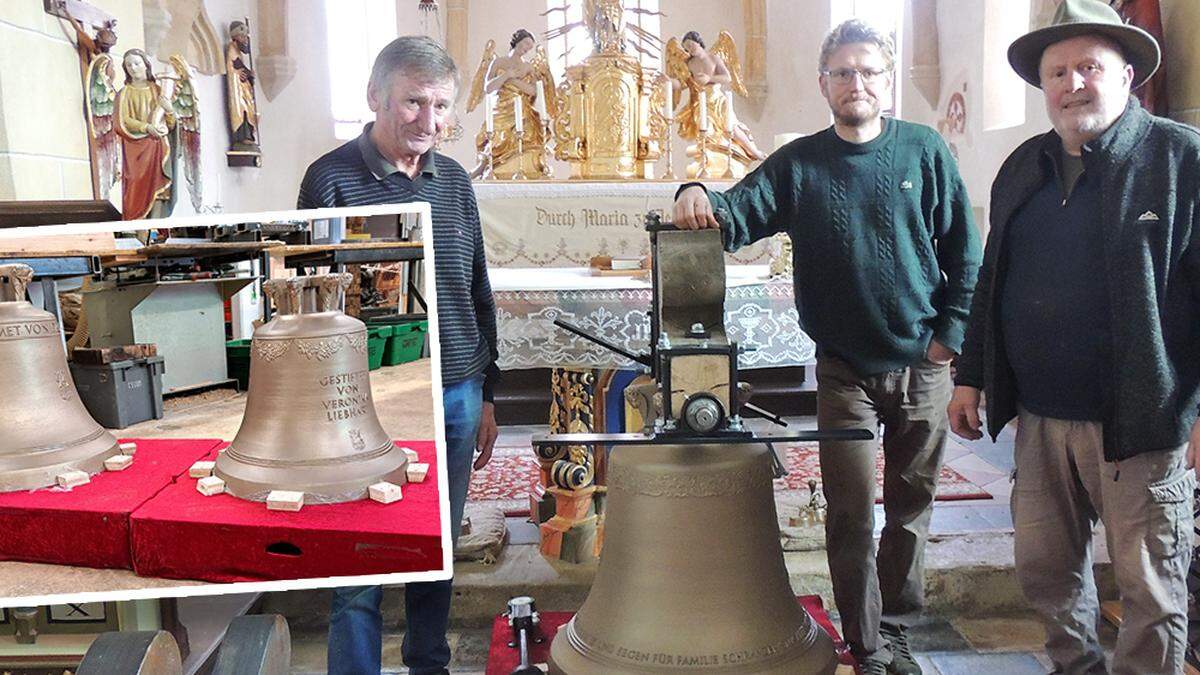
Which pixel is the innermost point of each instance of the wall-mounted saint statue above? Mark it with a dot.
(244, 147)
(512, 142)
(706, 117)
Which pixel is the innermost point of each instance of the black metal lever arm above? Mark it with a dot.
(643, 359)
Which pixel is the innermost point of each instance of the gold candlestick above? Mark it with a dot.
(520, 174)
(546, 154)
(669, 174)
(703, 159)
(490, 172)
(728, 158)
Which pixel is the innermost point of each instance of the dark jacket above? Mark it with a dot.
(1149, 172)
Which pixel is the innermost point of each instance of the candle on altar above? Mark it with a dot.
(540, 102)
(703, 111)
(729, 113)
(489, 111)
(669, 102)
(517, 111)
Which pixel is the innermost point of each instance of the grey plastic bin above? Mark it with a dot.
(121, 393)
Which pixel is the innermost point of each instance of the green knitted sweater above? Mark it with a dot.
(886, 252)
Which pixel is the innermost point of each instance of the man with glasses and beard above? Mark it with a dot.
(886, 256)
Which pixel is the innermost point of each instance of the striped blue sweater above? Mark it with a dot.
(466, 311)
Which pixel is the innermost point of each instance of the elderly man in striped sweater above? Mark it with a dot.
(411, 91)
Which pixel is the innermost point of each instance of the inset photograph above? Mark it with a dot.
(223, 399)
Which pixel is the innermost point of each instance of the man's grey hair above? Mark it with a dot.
(852, 32)
(415, 55)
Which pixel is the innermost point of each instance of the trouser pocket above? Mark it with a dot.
(1170, 514)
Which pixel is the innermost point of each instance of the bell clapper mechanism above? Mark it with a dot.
(687, 342)
(526, 628)
(692, 576)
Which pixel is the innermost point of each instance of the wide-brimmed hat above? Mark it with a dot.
(1086, 17)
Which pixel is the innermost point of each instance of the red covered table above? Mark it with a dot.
(182, 534)
(89, 525)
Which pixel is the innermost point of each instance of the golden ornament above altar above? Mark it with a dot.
(610, 118)
(610, 122)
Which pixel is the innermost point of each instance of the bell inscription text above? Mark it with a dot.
(33, 329)
(350, 395)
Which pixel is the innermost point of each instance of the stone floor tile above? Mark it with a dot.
(1000, 488)
(954, 451)
(998, 516)
(471, 649)
(1008, 663)
(999, 455)
(1001, 634)
(976, 470)
(521, 531)
(956, 519)
(936, 634)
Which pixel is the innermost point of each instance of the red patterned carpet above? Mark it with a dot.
(509, 478)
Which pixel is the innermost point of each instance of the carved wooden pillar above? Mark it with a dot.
(1182, 19)
(273, 65)
(456, 31)
(926, 70)
(754, 14)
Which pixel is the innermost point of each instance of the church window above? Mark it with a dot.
(357, 30)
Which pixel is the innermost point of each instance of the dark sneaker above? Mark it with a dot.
(903, 662)
(872, 665)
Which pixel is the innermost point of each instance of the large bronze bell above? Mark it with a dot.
(692, 577)
(310, 423)
(45, 430)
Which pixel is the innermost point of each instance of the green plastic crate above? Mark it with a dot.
(406, 344)
(377, 339)
(237, 362)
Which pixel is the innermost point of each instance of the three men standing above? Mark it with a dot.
(1086, 327)
(886, 256)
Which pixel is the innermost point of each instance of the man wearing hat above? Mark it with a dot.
(1085, 325)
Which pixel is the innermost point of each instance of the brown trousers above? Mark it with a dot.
(911, 405)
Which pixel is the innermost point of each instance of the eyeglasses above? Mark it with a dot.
(846, 75)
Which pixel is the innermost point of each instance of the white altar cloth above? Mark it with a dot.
(760, 314)
(564, 224)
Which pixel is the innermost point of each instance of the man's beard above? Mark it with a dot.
(1092, 123)
(855, 119)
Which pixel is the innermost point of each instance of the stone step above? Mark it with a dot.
(969, 575)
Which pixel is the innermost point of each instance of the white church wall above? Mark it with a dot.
(980, 152)
(43, 136)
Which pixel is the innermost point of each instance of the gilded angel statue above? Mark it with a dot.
(705, 74)
(99, 94)
(524, 101)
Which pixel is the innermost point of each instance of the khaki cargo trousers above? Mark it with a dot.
(1062, 486)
